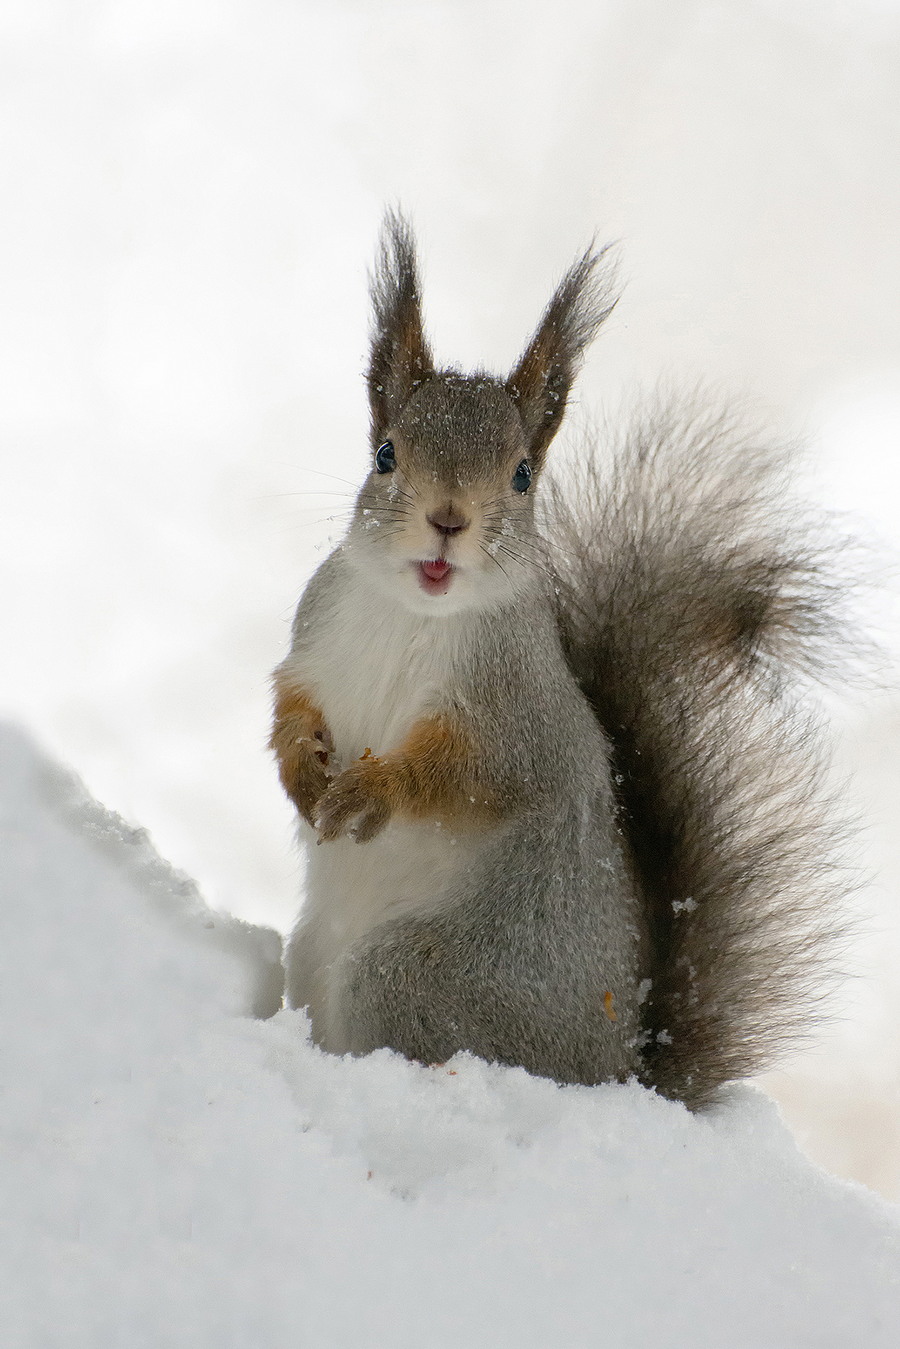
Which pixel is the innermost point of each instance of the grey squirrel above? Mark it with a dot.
(569, 802)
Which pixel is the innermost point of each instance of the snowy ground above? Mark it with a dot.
(179, 1175)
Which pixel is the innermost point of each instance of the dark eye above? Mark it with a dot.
(385, 461)
(522, 477)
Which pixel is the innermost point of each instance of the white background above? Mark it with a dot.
(191, 193)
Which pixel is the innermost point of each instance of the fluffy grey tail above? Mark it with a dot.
(691, 599)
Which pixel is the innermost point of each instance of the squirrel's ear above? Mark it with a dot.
(400, 357)
(541, 380)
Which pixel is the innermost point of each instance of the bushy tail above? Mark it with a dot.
(692, 596)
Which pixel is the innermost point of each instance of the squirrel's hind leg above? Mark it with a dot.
(429, 987)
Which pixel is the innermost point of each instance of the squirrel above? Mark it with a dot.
(549, 748)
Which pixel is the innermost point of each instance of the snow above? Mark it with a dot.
(177, 1172)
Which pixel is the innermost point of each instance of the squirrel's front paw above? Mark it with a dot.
(353, 804)
(303, 766)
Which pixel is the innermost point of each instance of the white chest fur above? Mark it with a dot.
(374, 669)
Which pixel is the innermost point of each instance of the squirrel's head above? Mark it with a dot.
(446, 515)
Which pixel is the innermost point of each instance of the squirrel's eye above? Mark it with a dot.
(385, 460)
(522, 477)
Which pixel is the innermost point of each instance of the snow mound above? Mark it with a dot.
(178, 1172)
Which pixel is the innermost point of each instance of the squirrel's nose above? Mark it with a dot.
(448, 520)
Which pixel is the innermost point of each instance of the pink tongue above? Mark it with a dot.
(436, 571)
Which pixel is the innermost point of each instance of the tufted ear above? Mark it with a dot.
(400, 357)
(541, 381)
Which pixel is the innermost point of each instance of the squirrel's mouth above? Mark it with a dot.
(435, 577)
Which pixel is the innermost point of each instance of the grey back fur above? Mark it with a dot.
(693, 594)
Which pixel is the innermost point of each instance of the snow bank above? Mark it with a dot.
(177, 1173)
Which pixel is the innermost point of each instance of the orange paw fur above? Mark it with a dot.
(303, 747)
(433, 775)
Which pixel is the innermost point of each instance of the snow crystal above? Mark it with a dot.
(684, 905)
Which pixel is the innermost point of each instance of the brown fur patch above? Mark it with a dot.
(433, 775)
(302, 745)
